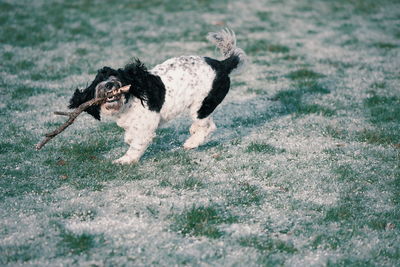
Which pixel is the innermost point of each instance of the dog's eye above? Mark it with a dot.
(109, 85)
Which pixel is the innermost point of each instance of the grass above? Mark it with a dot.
(265, 244)
(202, 221)
(305, 86)
(264, 148)
(304, 74)
(383, 109)
(303, 169)
(246, 195)
(77, 244)
(71, 243)
(261, 47)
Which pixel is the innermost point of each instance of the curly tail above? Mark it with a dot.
(225, 40)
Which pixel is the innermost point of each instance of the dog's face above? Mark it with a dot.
(113, 104)
(105, 80)
(146, 87)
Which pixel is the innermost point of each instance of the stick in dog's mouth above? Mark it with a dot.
(115, 95)
(73, 115)
(112, 99)
(118, 92)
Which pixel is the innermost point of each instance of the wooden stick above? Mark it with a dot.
(74, 114)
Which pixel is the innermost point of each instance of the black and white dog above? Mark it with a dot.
(187, 83)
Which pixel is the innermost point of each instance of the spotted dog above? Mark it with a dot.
(192, 84)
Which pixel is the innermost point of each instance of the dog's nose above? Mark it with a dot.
(109, 85)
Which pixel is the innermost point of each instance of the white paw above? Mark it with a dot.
(193, 142)
(125, 160)
(187, 146)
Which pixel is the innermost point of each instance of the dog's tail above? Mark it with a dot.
(225, 40)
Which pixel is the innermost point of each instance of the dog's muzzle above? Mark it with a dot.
(114, 102)
(107, 87)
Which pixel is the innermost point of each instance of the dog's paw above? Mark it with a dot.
(125, 160)
(188, 147)
(192, 143)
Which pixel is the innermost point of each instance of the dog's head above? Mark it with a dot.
(113, 104)
(144, 86)
(107, 79)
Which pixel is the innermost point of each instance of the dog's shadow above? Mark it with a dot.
(234, 120)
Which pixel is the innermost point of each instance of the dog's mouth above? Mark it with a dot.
(113, 104)
(113, 99)
(115, 96)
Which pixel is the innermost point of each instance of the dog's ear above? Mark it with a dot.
(147, 87)
(104, 73)
(79, 97)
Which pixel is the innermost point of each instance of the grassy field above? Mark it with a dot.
(303, 170)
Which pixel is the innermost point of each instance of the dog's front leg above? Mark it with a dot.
(139, 135)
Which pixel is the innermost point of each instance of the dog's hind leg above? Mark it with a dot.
(199, 131)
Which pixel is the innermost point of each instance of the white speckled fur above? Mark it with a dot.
(187, 80)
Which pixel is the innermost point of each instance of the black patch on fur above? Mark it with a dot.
(147, 87)
(220, 86)
(89, 93)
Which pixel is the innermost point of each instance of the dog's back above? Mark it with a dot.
(199, 84)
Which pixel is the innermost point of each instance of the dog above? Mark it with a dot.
(192, 84)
